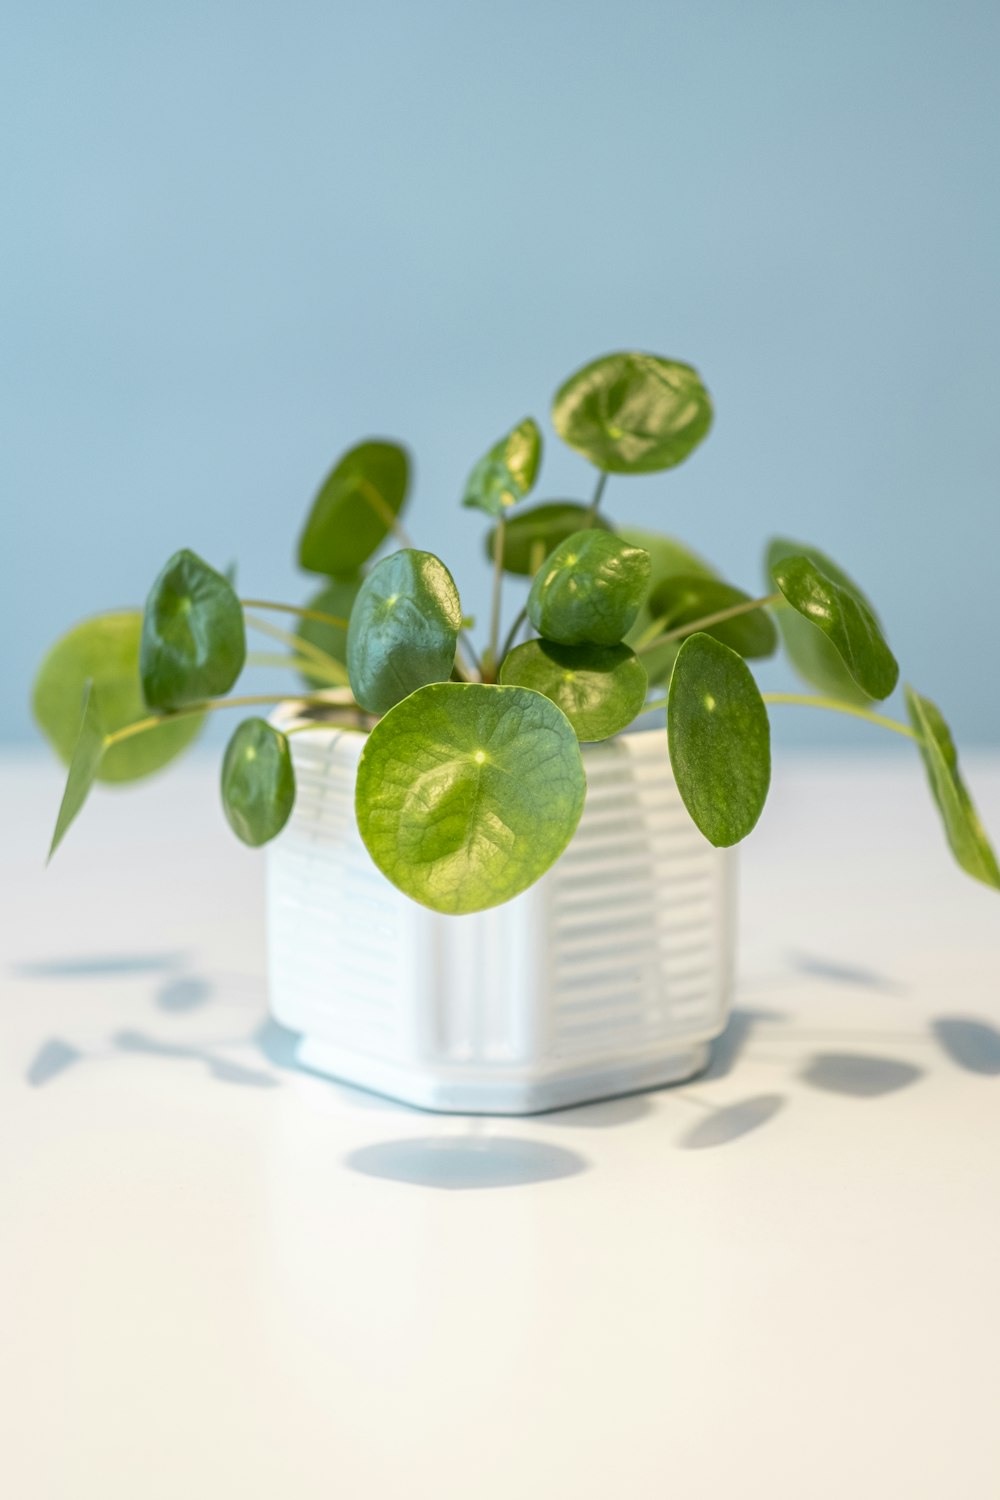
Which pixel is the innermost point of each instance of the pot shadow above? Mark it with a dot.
(464, 1163)
(817, 967)
(971, 1044)
(731, 1122)
(729, 1047)
(185, 993)
(603, 1114)
(858, 1075)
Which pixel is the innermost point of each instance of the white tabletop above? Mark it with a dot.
(224, 1277)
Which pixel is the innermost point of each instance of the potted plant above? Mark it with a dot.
(487, 894)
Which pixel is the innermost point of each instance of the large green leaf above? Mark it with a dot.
(258, 782)
(355, 509)
(839, 610)
(336, 599)
(589, 590)
(600, 689)
(105, 652)
(668, 557)
(83, 766)
(963, 828)
(505, 474)
(467, 793)
(719, 739)
(685, 599)
(812, 655)
(193, 642)
(633, 413)
(404, 629)
(531, 534)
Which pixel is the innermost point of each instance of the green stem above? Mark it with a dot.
(717, 618)
(512, 635)
(385, 512)
(296, 609)
(808, 700)
(499, 543)
(595, 503)
(326, 663)
(255, 700)
(300, 664)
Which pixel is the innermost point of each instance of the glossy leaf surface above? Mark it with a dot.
(355, 509)
(600, 689)
(633, 413)
(336, 598)
(838, 609)
(258, 782)
(719, 739)
(668, 557)
(83, 766)
(404, 629)
(505, 474)
(589, 590)
(687, 598)
(965, 833)
(467, 793)
(810, 652)
(533, 533)
(105, 652)
(193, 642)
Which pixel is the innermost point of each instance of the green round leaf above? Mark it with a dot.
(467, 793)
(531, 534)
(686, 599)
(668, 557)
(258, 782)
(600, 689)
(335, 598)
(964, 831)
(633, 413)
(404, 629)
(355, 509)
(815, 660)
(105, 652)
(507, 472)
(838, 609)
(719, 740)
(193, 643)
(589, 590)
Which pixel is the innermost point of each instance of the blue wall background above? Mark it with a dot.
(241, 236)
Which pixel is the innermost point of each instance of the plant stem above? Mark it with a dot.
(714, 619)
(385, 512)
(807, 700)
(297, 643)
(512, 634)
(595, 503)
(300, 664)
(255, 700)
(473, 653)
(296, 609)
(499, 541)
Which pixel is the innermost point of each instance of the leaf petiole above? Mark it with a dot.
(296, 609)
(693, 626)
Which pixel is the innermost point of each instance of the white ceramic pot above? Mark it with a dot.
(612, 973)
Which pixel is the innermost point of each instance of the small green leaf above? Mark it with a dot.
(336, 598)
(685, 599)
(258, 782)
(963, 829)
(668, 558)
(105, 651)
(404, 629)
(809, 651)
(506, 473)
(193, 642)
(633, 413)
(83, 766)
(531, 534)
(467, 793)
(719, 739)
(830, 601)
(589, 590)
(600, 689)
(355, 509)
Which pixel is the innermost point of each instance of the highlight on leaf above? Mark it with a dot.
(505, 474)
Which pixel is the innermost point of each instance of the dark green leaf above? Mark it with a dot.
(531, 534)
(355, 509)
(506, 473)
(809, 651)
(686, 599)
(589, 590)
(965, 833)
(837, 608)
(83, 766)
(336, 598)
(404, 629)
(467, 793)
(719, 739)
(668, 557)
(193, 643)
(258, 782)
(633, 413)
(600, 689)
(105, 651)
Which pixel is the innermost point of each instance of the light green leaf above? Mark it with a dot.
(589, 590)
(633, 413)
(193, 642)
(812, 655)
(507, 472)
(684, 599)
(668, 557)
(356, 508)
(105, 651)
(719, 739)
(600, 689)
(836, 607)
(335, 598)
(530, 535)
(258, 782)
(404, 629)
(83, 766)
(963, 828)
(467, 793)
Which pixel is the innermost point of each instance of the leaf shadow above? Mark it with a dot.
(858, 1075)
(50, 1061)
(816, 966)
(970, 1043)
(731, 1122)
(98, 965)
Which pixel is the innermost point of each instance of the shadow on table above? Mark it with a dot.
(98, 966)
(971, 1044)
(461, 1163)
(731, 1122)
(819, 967)
(858, 1075)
